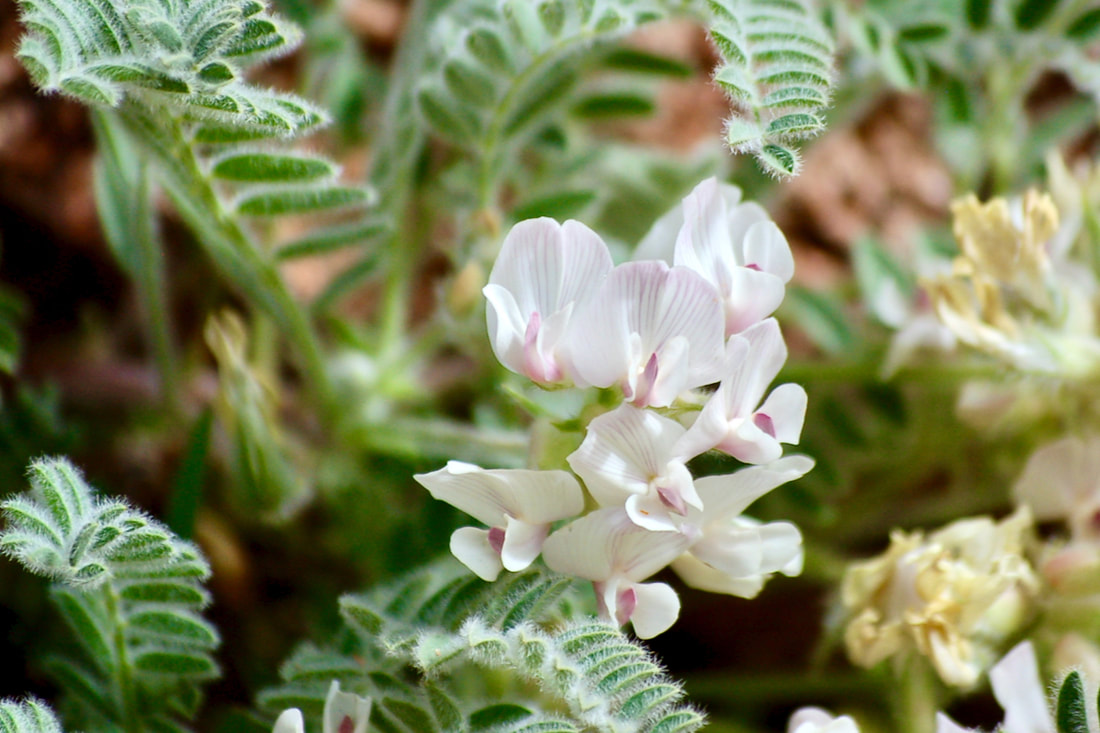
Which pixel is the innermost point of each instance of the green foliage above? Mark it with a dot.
(777, 59)
(129, 590)
(1071, 711)
(28, 716)
(563, 672)
(502, 70)
(170, 76)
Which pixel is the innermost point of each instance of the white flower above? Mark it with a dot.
(730, 420)
(1062, 481)
(735, 554)
(517, 505)
(736, 246)
(1016, 685)
(344, 712)
(543, 272)
(655, 331)
(628, 460)
(816, 720)
(607, 548)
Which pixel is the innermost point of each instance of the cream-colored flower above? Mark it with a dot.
(1062, 481)
(953, 596)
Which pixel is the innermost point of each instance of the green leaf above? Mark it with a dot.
(329, 240)
(283, 201)
(639, 61)
(613, 104)
(977, 12)
(272, 168)
(1030, 14)
(1071, 714)
(822, 319)
(499, 715)
(560, 206)
(1086, 26)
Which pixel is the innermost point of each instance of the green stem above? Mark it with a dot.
(126, 686)
(917, 696)
(230, 247)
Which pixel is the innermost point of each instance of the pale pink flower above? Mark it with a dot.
(345, 712)
(734, 554)
(613, 552)
(517, 505)
(544, 271)
(735, 245)
(627, 460)
(733, 420)
(1062, 481)
(653, 330)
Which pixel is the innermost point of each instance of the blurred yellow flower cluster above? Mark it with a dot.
(954, 596)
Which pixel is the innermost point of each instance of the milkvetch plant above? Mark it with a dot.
(449, 351)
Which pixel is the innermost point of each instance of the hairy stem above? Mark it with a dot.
(124, 673)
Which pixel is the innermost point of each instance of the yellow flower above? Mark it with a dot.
(952, 597)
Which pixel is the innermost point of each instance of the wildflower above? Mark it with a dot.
(730, 420)
(734, 554)
(816, 720)
(517, 505)
(734, 245)
(628, 460)
(345, 712)
(653, 330)
(1016, 685)
(953, 597)
(609, 549)
(1062, 481)
(545, 270)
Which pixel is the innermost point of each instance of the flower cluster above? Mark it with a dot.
(953, 597)
(656, 331)
(1015, 291)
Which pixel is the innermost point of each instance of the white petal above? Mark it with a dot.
(623, 451)
(704, 242)
(659, 243)
(709, 429)
(653, 304)
(748, 442)
(766, 248)
(816, 720)
(1060, 476)
(729, 495)
(344, 707)
(490, 496)
(697, 574)
(650, 513)
(290, 721)
(945, 724)
(522, 544)
(506, 326)
(1016, 685)
(736, 552)
(471, 547)
(607, 544)
(657, 608)
(781, 545)
(786, 409)
(753, 296)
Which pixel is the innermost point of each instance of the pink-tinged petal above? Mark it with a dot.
(751, 441)
(624, 451)
(727, 496)
(544, 269)
(697, 574)
(766, 249)
(606, 544)
(656, 608)
(1060, 477)
(290, 721)
(786, 409)
(1016, 685)
(753, 296)
(649, 512)
(491, 496)
(639, 310)
(472, 547)
(345, 712)
(522, 544)
(704, 243)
